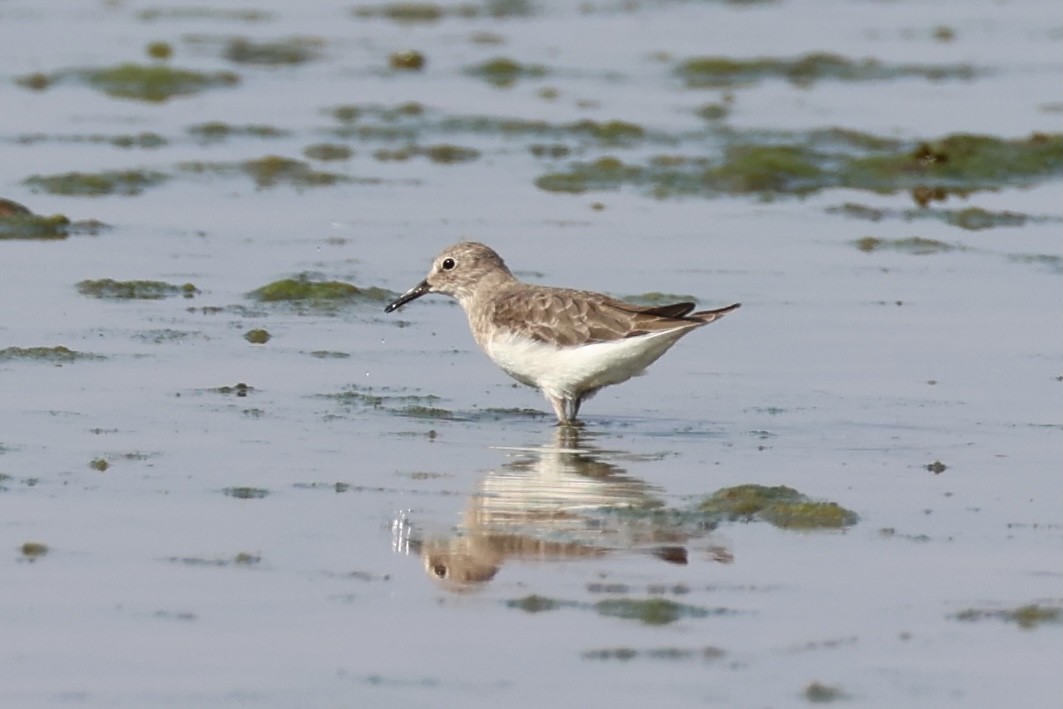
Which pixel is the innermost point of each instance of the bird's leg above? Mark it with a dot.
(565, 409)
(572, 406)
(559, 407)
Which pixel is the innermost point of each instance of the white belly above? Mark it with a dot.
(569, 372)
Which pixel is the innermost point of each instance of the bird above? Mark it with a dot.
(567, 343)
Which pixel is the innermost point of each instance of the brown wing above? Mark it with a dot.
(568, 317)
(708, 316)
(675, 310)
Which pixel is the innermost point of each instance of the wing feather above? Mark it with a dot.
(569, 317)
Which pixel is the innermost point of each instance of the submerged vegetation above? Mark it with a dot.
(415, 12)
(503, 72)
(153, 83)
(214, 131)
(822, 160)
(246, 493)
(304, 290)
(55, 355)
(294, 50)
(652, 611)
(96, 184)
(915, 245)
(1026, 617)
(721, 72)
(648, 611)
(969, 218)
(779, 506)
(110, 289)
(271, 171)
(34, 226)
(33, 550)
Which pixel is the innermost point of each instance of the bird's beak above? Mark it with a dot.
(413, 294)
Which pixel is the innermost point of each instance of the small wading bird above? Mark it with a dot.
(566, 343)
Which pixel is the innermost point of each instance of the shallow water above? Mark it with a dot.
(279, 544)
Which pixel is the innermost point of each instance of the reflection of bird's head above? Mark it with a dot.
(458, 569)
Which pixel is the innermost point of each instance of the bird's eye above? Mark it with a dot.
(448, 263)
(440, 570)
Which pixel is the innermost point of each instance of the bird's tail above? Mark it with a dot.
(708, 316)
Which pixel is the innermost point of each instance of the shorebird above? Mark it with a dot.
(566, 343)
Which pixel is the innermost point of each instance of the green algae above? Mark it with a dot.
(652, 611)
(766, 168)
(33, 550)
(200, 13)
(819, 693)
(426, 412)
(430, 12)
(290, 51)
(649, 611)
(619, 653)
(270, 171)
(257, 336)
(367, 397)
(445, 154)
(915, 245)
(214, 131)
(535, 603)
(804, 164)
(146, 139)
(407, 60)
(610, 131)
(246, 493)
(153, 83)
(350, 113)
(328, 152)
(240, 389)
(33, 226)
(503, 72)
(159, 50)
(714, 111)
(449, 154)
(780, 506)
(512, 127)
(110, 289)
(95, 184)
(304, 290)
(959, 161)
(976, 219)
(99, 464)
(1026, 617)
(602, 174)
(403, 12)
(241, 559)
(970, 218)
(673, 654)
(725, 72)
(59, 354)
(809, 515)
(549, 150)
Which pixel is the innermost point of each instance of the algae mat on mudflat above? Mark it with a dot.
(153, 83)
(822, 160)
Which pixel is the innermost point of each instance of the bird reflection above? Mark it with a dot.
(562, 501)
